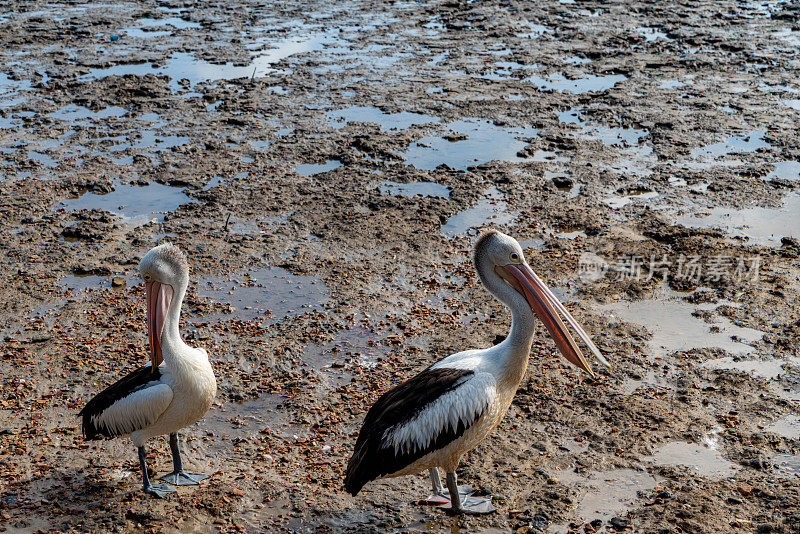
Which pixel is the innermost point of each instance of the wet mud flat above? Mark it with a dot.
(326, 167)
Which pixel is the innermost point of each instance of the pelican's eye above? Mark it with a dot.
(514, 257)
(147, 277)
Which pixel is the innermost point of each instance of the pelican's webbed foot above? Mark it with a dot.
(440, 496)
(471, 505)
(159, 490)
(465, 504)
(182, 478)
(179, 477)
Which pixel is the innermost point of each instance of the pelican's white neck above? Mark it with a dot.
(171, 342)
(515, 349)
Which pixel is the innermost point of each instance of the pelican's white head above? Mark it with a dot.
(165, 271)
(165, 264)
(501, 264)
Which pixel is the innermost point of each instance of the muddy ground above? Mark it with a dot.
(326, 168)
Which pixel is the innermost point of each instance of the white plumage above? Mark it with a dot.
(432, 419)
(469, 399)
(138, 410)
(174, 391)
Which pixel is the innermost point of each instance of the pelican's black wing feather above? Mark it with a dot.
(123, 387)
(372, 458)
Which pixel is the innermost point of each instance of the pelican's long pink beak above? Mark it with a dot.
(159, 297)
(549, 309)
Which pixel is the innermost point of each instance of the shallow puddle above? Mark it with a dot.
(786, 170)
(425, 189)
(183, 65)
(143, 28)
(74, 113)
(234, 225)
(268, 294)
(507, 70)
(574, 446)
(151, 141)
(570, 235)
(674, 328)
(48, 309)
(652, 34)
(737, 144)
(787, 426)
(134, 203)
(260, 145)
(617, 202)
(43, 159)
(769, 369)
(81, 282)
(608, 493)
(609, 136)
(10, 89)
(476, 141)
(536, 31)
(787, 465)
(784, 375)
(492, 208)
(651, 379)
(704, 459)
(531, 244)
(615, 136)
(558, 82)
(387, 121)
(311, 169)
(761, 226)
(215, 181)
(671, 84)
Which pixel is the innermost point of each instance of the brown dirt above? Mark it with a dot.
(363, 286)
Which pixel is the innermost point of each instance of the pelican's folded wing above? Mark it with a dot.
(132, 403)
(417, 417)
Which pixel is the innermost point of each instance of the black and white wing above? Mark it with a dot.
(417, 417)
(132, 403)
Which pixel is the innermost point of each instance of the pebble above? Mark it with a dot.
(619, 523)
(117, 281)
(539, 521)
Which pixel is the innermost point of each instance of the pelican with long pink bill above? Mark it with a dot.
(173, 391)
(434, 418)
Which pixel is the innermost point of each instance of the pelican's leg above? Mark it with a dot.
(440, 496)
(178, 476)
(159, 490)
(468, 504)
(436, 482)
(455, 498)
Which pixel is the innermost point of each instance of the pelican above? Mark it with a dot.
(174, 391)
(431, 420)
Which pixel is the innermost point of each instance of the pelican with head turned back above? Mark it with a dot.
(434, 418)
(172, 392)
